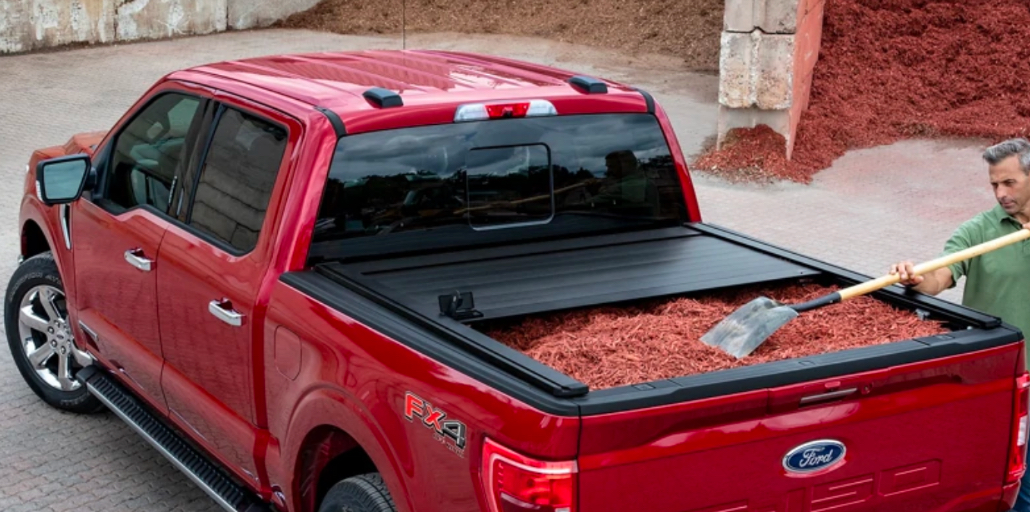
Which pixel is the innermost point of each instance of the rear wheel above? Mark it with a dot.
(363, 493)
(36, 321)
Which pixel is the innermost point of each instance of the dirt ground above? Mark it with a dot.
(686, 29)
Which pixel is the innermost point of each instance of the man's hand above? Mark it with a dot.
(1026, 226)
(931, 283)
(906, 271)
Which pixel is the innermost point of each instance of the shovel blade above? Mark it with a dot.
(748, 327)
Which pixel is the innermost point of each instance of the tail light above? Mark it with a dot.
(484, 111)
(515, 483)
(1021, 420)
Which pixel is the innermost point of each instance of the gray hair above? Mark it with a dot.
(1012, 147)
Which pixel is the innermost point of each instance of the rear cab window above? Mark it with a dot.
(466, 184)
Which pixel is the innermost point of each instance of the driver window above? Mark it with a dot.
(149, 150)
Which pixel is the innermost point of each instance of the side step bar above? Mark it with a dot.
(213, 480)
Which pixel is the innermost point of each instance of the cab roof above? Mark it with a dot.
(352, 83)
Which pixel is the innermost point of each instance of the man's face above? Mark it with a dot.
(1011, 186)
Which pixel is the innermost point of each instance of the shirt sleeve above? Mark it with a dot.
(964, 237)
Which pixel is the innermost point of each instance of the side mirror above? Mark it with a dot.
(62, 180)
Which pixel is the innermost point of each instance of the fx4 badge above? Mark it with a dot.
(449, 432)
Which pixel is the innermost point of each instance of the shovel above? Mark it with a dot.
(748, 327)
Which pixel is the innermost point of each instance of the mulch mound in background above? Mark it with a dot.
(752, 155)
(615, 346)
(688, 29)
(896, 69)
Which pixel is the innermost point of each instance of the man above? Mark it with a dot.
(627, 185)
(997, 283)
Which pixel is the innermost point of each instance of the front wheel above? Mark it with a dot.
(363, 493)
(36, 320)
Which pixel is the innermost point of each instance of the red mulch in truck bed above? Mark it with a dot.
(615, 346)
(896, 69)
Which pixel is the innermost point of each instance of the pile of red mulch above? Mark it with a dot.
(615, 346)
(896, 69)
(750, 155)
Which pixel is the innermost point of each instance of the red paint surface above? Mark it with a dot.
(352, 377)
(724, 454)
(115, 299)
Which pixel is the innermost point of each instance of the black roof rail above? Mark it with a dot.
(648, 100)
(383, 98)
(589, 85)
(333, 120)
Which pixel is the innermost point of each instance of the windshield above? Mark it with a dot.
(467, 184)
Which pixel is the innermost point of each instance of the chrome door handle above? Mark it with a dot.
(136, 258)
(222, 310)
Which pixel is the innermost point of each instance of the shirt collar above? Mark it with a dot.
(1001, 216)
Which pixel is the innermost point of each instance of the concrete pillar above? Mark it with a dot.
(769, 50)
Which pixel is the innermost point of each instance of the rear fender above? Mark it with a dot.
(335, 408)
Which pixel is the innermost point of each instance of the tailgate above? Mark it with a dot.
(929, 436)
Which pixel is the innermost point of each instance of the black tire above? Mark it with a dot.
(40, 270)
(363, 493)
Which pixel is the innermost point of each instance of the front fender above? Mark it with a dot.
(48, 220)
(334, 407)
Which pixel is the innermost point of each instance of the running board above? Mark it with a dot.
(212, 479)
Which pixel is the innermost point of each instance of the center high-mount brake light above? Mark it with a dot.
(503, 110)
(516, 483)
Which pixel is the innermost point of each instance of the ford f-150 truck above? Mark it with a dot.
(276, 271)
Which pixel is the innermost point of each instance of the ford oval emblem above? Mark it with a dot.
(814, 456)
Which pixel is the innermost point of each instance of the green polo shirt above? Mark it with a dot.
(997, 283)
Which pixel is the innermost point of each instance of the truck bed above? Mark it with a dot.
(526, 279)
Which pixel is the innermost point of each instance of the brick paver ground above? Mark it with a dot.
(874, 207)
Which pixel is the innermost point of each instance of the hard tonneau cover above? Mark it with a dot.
(540, 277)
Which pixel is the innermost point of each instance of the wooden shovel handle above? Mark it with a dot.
(930, 266)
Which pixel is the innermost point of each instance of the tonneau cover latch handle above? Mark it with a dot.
(458, 305)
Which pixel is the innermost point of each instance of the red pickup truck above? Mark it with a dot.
(278, 270)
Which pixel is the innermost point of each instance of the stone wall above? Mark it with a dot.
(27, 25)
(769, 50)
